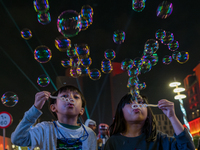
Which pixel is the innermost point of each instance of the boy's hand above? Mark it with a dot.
(167, 107)
(40, 99)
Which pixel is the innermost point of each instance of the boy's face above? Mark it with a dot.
(64, 108)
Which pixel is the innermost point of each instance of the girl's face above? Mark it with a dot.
(134, 115)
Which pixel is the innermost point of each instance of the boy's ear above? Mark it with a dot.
(53, 108)
(82, 111)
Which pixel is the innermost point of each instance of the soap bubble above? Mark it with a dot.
(127, 64)
(138, 5)
(107, 69)
(134, 71)
(133, 82)
(62, 43)
(109, 54)
(168, 38)
(159, 33)
(142, 86)
(151, 46)
(174, 45)
(84, 23)
(135, 93)
(86, 62)
(65, 63)
(146, 66)
(105, 62)
(44, 18)
(43, 80)
(87, 9)
(94, 74)
(164, 9)
(119, 36)
(174, 55)
(167, 59)
(41, 5)
(75, 72)
(84, 70)
(182, 57)
(26, 34)
(153, 58)
(42, 54)
(9, 99)
(137, 62)
(74, 61)
(82, 50)
(68, 23)
(72, 52)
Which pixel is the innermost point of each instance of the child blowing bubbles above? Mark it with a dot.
(65, 133)
(135, 129)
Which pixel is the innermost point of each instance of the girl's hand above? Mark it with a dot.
(40, 99)
(167, 107)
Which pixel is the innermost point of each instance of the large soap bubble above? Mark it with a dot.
(42, 54)
(9, 99)
(164, 9)
(43, 80)
(68, 23)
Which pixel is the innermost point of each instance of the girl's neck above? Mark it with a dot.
(68, 120)
(132, 130)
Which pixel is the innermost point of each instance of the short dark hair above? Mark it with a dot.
(119, 122)
(65, 88)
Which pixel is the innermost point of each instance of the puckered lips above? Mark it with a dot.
(137, 110)
(70, 105)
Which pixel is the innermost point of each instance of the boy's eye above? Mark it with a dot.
(76, 96)
(64, 96)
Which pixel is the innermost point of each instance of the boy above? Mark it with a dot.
(66, 104)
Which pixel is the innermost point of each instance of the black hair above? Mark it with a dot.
(119, 122)
(62, 89)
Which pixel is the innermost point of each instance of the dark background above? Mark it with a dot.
(19, 69)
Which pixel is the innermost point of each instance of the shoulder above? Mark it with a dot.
(45, 124)
(89, 130)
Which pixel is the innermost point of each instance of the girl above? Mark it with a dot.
(135, 129)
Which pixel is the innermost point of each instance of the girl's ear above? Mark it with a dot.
(53, 108)
(82, 111)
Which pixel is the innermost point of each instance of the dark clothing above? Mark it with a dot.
(163, 142)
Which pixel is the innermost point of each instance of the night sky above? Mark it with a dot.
(19, 69)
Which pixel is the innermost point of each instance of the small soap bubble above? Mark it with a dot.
(173, 46)
(94, 74)
(86, 62)
(174, 55)
(142, 86)
(119, 37)
(82, 50)
(151, 46)
(84, 70)
(109, 54)
(146, 66)
(68, 23)
(75, 72)
(133, 82)
(87, 9)
(65, 63)
(44, 18)
(137, 62)
(26, 34)
(105, 62)
(133, 71)
(153, 58)
(72, 52)
(107, 69)
(138, 5)
(168, 38)
(42, 54)
(9, 99)
(164, 9)
(74, 61)
(41, 5)
(127, 64)
(43, 80)
(167, 59)
(182, 57)
(62, 43)
(159, 33)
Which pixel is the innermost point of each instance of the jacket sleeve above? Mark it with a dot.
(21, 135)
(183, 141)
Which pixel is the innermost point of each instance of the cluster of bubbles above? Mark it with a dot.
(164, 9)
(138, 5)
(167, 38)
(9, 99)
(42, 9)
(26, 34)
(70, 22)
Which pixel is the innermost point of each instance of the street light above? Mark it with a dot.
(180, 97)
